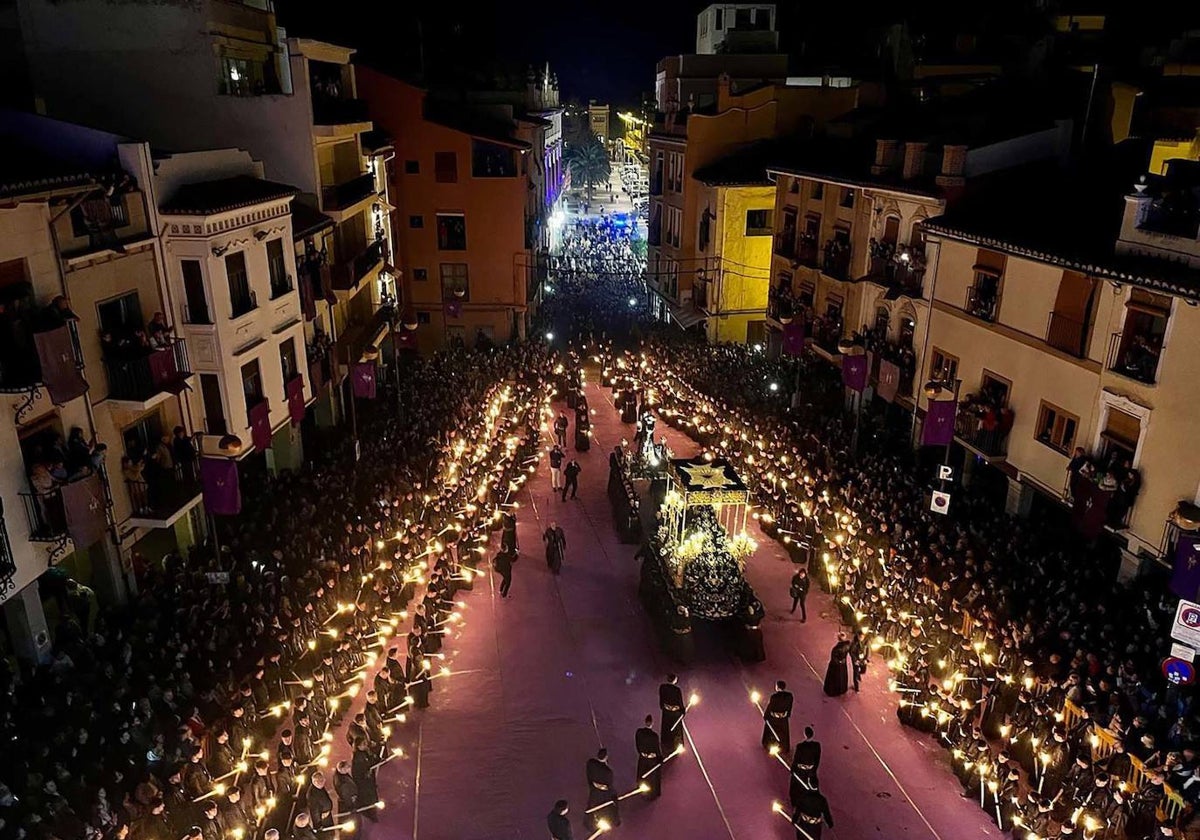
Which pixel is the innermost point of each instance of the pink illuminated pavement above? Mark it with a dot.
(570, 663)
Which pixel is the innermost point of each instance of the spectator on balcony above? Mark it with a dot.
(160, 468)
(159, 331)
(133, 472)
(42, 478)
(58, 313)
(184, 452)
(83, 456)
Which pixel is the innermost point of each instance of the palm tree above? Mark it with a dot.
(589, 165)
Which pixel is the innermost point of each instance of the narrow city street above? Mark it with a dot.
(568, 663)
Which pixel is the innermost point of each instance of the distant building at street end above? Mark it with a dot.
(598, 121)
(737, 28)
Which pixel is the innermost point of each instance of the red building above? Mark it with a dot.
(460, 184)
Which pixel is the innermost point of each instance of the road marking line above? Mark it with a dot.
(708, 781)
(874, 752)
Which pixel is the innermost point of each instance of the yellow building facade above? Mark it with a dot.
(734, 245)
(684, 143)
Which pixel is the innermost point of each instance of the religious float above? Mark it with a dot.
(693, 568)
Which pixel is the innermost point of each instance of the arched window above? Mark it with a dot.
(882, 319)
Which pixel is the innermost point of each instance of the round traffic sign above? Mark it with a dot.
(1178, 671)
(1190, 616)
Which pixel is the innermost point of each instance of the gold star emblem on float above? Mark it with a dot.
(707, 477)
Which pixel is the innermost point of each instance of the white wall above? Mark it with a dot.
(221, 348)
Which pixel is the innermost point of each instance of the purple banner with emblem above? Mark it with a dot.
(793, 338)
(939, 423)
(60, 373)
(889, 380)
(163, 369)
(295, 398)
(83, 504)
(364, 380)
(1089, 509)
(453, 309)
(260, 425)
(1185, 578)
(854, 372)
(219, 481)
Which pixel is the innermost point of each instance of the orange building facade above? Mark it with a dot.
(459, 183)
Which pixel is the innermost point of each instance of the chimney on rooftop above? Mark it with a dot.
(724, 90)
(914, 160)
(954, 166)
(885, 156)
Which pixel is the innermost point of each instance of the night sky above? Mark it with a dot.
(608, 51)
(605, 51)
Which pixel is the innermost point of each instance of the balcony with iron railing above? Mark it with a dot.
(1067, 334)
(139, 379)
(781, 305)
(46, 515)
(900, 268)
(983, 427)
(282, 284)
(198, 315)
(243, 303)
(1135, 356)
(349, 273)
(348, 193)
(330, 110)
(827, 333)
(163, 496)
(836, 260)
(982, 303)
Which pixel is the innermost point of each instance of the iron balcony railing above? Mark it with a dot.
(1067, 334)
(348, 274)
(982, 303)
(348, 194)
(836, 263)
(161, 496)
(243, 304)
(333, 111)
(1136, 358)
(144, 376)
(46, 515)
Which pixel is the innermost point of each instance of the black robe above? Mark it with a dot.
(776, 721)
(601, 792)
(649, 761)
(812, 815)
(807, 761)
(559, 825)
(670, 702)
(837, 678)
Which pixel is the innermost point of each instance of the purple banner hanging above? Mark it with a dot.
(939, 423)
(219, 482)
